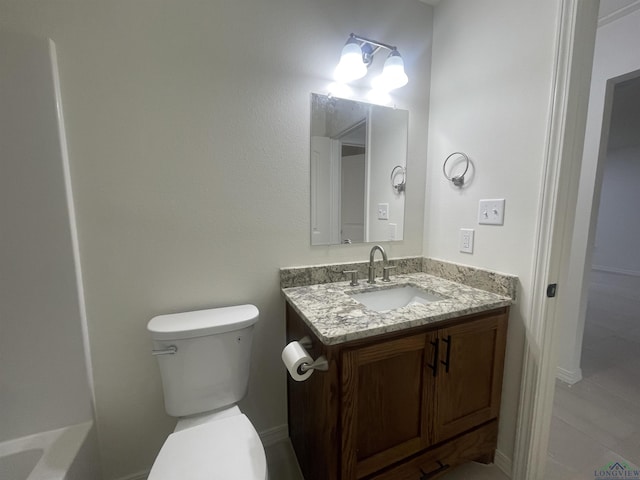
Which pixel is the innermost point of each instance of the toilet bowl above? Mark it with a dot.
(204, 363)
(224, 449)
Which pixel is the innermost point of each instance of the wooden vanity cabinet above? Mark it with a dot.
(384, 403)
(468, 383)
(409, 404)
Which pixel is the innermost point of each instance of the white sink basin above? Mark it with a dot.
(387, 299)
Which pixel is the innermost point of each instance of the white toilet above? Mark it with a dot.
(204, 362)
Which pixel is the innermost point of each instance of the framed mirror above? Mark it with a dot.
(358, 171)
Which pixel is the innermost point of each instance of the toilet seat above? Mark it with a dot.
(224, 449)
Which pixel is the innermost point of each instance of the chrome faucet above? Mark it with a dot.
(372, 268)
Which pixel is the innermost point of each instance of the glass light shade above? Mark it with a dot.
(392, 75)
(351, 66)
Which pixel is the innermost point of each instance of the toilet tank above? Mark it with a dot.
(204, 357)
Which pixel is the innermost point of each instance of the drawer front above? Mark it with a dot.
(478, 444)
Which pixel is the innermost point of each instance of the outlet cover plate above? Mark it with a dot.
(383, 211)
(466, 240)
(491, 212)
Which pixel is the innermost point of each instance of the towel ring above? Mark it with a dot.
(400, 186)
(458, 180)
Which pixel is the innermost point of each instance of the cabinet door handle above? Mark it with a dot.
(436, 352)
(427, 475)
(447, 362)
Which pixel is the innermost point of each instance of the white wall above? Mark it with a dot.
(618, 222)
(625, 121)
(387, 149)
(613, 57)
(188, 129)
(490, 98)
(618, 225)
(43, 378)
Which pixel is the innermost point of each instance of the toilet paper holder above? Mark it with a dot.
(320, 363)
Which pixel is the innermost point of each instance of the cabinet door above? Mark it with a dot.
(383, 404)
(469, 378)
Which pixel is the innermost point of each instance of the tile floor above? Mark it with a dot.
(597, 420)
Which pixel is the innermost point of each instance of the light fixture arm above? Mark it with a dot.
(375, 43)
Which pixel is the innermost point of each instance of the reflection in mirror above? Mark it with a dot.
(355, 148)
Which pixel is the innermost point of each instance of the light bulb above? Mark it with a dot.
(351, 66)
(392, 75)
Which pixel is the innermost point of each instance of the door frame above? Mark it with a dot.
(575, 43)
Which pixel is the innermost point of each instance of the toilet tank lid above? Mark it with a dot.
(200, 323)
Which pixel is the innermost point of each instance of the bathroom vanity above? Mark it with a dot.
(409, 393)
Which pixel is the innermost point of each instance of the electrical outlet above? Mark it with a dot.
(491, 212)
(466, 240)
(383, 211)
(393, 231)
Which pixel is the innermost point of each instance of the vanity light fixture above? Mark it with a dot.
(357, 57)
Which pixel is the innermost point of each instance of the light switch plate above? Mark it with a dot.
(466, 240)
(491, 212)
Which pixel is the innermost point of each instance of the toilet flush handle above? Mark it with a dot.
(170, 350)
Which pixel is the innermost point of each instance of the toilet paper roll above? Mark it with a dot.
(293, 356)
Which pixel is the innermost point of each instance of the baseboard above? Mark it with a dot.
(619, 271)
(503, 462)
(136, 476)
(274, 435)
(568, 376)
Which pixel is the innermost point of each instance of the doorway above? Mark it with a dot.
(596, 424)
(352, 194)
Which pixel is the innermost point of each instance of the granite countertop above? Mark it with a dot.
(336, 317)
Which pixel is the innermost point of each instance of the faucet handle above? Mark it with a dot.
(354, 277)
(385, 272)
